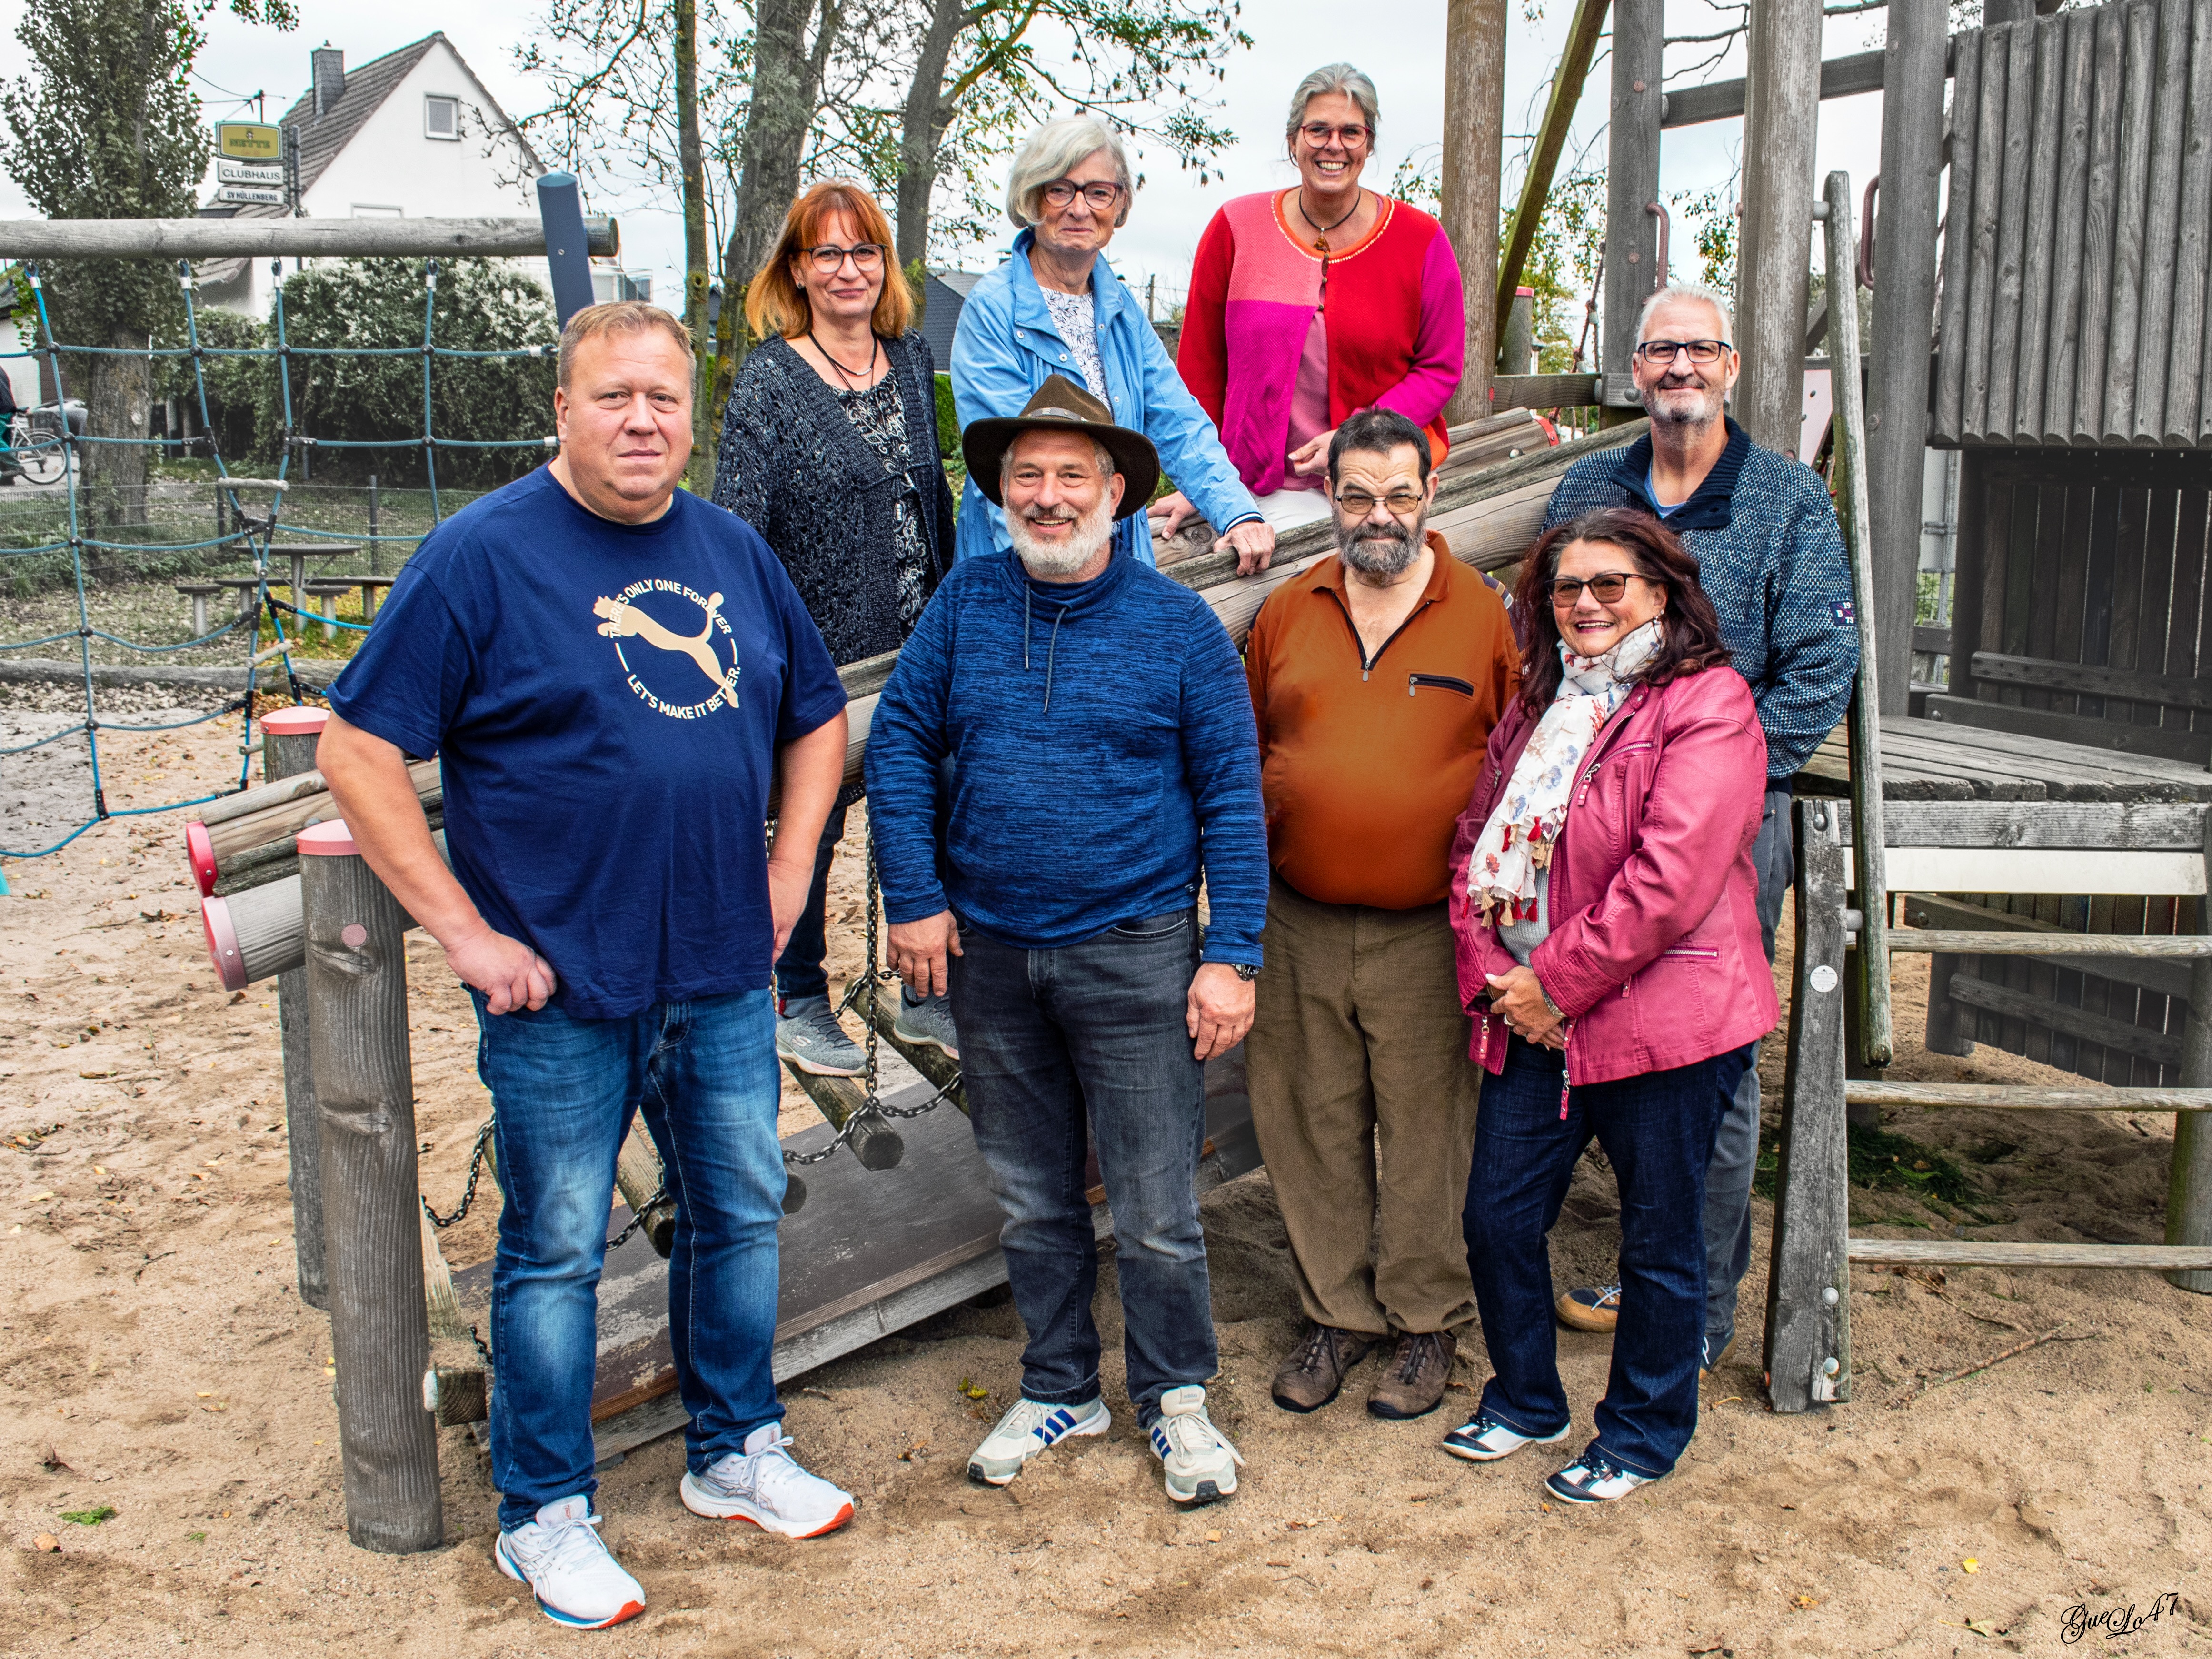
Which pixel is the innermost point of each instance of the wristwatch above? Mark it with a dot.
(1247, 971)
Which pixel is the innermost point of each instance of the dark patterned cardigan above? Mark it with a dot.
(793, 466)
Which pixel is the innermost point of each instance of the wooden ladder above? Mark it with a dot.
(1984, 847)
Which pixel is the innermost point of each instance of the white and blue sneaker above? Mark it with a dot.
(1483, 1439)
(577, 1581)
(1593, 1478)
(764, 1484)
(1029, 1427)
(1197, 1463)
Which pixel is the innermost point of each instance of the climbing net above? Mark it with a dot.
(254, 517)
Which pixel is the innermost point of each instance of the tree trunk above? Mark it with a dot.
(691, 159)
(922, 127)
(1474, 128)
(114, 474)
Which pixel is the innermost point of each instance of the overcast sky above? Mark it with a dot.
(1398, 42)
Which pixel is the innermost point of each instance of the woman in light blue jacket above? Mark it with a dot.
(1057, 308)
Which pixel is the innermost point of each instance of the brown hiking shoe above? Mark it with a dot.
(1313, 1375)
(1414, 1382)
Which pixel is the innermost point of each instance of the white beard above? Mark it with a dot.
(1093, 530)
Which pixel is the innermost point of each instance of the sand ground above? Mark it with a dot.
(144, 1371)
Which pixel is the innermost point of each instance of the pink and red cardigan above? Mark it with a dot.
(1397, 331)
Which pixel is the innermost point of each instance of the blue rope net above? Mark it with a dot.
(253, 535)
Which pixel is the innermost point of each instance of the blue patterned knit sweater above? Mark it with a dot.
(1771, 560)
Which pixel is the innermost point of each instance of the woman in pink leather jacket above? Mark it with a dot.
(1609, 954)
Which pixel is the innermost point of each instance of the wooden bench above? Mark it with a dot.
(2085, 683)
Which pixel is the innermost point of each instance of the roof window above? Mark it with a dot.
(441, 118)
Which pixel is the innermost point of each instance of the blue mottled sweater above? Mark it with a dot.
(1771, 560)
(1101, 751)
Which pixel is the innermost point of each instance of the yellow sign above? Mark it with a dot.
(249, 141)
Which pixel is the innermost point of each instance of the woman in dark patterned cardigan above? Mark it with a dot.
(829, 450)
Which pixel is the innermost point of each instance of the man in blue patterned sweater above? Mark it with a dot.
(1773, 561)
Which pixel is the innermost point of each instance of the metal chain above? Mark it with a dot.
(637, 1220)
(872, 978)
(476, 1173)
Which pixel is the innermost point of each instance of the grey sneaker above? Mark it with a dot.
(928, 1022)
(810, 1038)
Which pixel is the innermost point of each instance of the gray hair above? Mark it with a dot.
(1107, 466)
(1333, 78)
(1695, 291)
(1050, 152)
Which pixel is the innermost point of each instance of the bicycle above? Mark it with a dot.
(36, 444)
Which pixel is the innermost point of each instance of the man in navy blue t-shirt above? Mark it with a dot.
(610, 671)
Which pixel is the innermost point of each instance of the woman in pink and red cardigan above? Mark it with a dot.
(1309, 304)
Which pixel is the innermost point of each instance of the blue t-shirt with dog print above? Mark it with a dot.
(605, 700)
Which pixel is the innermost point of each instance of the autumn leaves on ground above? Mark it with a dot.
(165, 1414)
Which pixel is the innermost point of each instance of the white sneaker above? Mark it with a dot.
(568, 1569)
(1593, 1478)
(1483, 1439)
(1199, 1464)
(765, 1486)
(1029, 1427)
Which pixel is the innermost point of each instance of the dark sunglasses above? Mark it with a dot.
(1605, 587)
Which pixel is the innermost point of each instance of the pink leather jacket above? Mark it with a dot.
(1654, 954)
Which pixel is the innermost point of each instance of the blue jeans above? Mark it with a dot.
(1092, 1035)
(799, 970)
(563, 1092)
(1735, 1143)
(1658, 1131)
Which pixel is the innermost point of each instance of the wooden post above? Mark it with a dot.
(1781, 115)
(1632, 234)
(1809, 1286)
(1551, 140)
(2189, 1189)
(288, 748)
(1474, 127)
(1904, 310)
(380, 1332)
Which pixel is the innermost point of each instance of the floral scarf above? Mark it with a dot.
(1518, 841)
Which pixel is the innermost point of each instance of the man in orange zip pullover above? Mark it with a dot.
(1375, 678)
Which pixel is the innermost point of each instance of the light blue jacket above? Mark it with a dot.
(1006, 347)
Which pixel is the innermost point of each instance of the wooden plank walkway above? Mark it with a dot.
(1937, 760)
(870, 1252)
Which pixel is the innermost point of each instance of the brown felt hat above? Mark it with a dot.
(1060, 405)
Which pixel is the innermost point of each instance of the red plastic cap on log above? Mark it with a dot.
(1524, 293)
(200, 850)
(295, 722)
(223, 943)
(330, 839)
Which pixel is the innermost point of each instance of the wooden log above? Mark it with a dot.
(2005, 326)
(2159, 974)
(2013, 1098)
(1547, 390)
(372, 1203)
(2167, 743)
(2162, 220)
(1982, 227)
(638, 1178)
(1632, 236)
(1506, 435)
(1840, 77)
(456, 1395)
(1566, 97)
(2169, 690)
(1467, 204)
(2099, 223)
(2138, 83)
(1904, 303)
(2046, 156)
(2101, 826)
(441, 1308)
(2063, 333)
(875, 1143)
(1871, 977)
(2079, 946)
(377, 238)
(1945, 422)
(1782, 98)
(2189, 1186)
(1808, 1289)
(2192, 255)
(259, 933)
(2155, 1047)
(263, 836)
(288, 736)
(1975, 1253)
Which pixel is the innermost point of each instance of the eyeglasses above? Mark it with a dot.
(1702, 352)
(1100, 193)
(830, 258)
(1605, 587)
(1352, 135)
(1404, 503)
